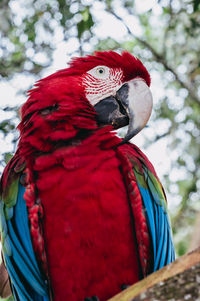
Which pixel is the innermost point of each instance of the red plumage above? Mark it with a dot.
(85, 186)
(88, 227)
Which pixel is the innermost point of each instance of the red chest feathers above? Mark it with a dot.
(89, 234)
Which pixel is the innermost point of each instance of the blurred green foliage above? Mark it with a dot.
(169, 44)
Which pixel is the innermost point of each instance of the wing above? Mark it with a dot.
(28, 283)
(157, 218)
(154, 207)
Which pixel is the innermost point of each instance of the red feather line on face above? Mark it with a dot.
(94, 86)
(100, 87)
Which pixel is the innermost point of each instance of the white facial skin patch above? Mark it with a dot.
(101, 82)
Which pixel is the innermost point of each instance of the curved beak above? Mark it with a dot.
(132, 105)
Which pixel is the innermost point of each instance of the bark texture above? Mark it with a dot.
(178, 281)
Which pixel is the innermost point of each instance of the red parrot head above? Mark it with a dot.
(118, 88)
(104, 89)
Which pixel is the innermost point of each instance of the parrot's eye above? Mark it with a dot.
(100, 72)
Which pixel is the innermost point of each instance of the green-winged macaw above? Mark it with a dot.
(83, 213)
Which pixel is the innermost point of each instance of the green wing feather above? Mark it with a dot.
(155, 204)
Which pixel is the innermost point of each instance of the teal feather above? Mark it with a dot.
(22, 292)
(27, 280)
(155, 203)
(150, 213)
(22, 223)
(159, 243)
(155, 188)
(23, 263)
(8, 213)
(7, 247)
(4, 232)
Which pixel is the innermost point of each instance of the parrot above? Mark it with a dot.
(83, 214)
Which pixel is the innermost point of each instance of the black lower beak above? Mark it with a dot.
(113, 110)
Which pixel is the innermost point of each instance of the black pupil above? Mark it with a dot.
(101, 71)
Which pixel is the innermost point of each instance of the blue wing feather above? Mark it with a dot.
(22, 219)
(28, 282)
(24, 236)
(150, 213)
(22, 260)
(20, 289)
(160, 242)
(158, 221)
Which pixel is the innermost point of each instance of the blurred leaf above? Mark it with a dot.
(86, 23)
(182, 248)
(196, 4)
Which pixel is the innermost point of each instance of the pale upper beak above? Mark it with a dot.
(132, 105)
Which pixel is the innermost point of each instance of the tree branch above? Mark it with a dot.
(178, 281)
(160, 58)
